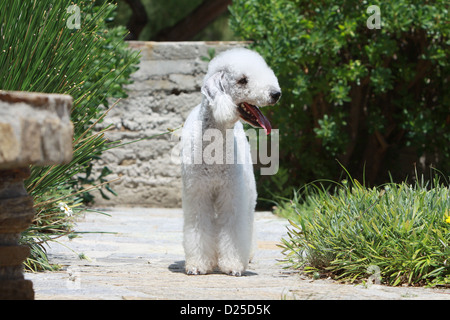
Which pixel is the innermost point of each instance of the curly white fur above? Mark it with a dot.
(219, 191)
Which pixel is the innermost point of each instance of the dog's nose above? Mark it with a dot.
(275, 95)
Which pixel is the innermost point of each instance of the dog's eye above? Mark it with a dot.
(243, 81)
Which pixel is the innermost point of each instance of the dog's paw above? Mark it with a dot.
(235, 273)
(195, 271)
(232, 267)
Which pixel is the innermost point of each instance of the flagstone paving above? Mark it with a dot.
(137, 253)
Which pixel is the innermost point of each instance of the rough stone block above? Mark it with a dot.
(16, 290)
(13, 255)
(9, 146)
(39, 130)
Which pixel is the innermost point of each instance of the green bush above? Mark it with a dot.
(400, 231)
(39, 52)
(363, 96)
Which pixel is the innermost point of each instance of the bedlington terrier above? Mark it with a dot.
(219, 190)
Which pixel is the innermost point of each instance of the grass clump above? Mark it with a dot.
(401, 231)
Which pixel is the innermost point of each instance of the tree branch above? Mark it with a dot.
(194, 22)
(138, 19)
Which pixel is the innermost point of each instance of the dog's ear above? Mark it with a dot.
(221, 103)
(213, 87)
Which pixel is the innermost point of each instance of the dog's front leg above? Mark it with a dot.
(199, 234)
(235, 234)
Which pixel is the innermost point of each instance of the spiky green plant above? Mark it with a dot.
(40, 52)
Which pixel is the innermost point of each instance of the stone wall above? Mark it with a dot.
(166, 88)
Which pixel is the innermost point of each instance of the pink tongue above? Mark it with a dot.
(262, 120)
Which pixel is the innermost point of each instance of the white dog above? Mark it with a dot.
(219, 191)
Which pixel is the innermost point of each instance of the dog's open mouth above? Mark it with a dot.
(251, 114)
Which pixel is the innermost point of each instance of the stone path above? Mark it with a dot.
(139, 255)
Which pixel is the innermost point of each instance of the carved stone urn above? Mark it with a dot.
(35, 128)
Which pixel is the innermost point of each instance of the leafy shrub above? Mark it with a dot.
(39, 52)
(363, 96)
(400, 230)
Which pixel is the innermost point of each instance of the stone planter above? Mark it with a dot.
(35, 128)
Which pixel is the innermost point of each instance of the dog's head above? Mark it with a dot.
(237, 82)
